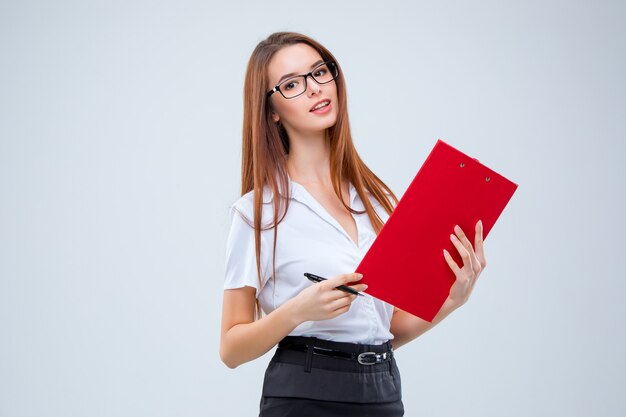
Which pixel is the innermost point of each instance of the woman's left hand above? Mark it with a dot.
(473, 264)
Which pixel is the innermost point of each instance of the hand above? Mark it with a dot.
(473, 264)
(322, 301)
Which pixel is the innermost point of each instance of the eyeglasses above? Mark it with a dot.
(294, 86)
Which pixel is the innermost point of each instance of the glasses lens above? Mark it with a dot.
(293, 86)
(325, 73)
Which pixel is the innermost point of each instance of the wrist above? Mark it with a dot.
(451, 304)
(448, 307)
(291, 313)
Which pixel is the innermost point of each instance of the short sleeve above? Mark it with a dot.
(240, 263)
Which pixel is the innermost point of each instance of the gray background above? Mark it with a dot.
(120, 135)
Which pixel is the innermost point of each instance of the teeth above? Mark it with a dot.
(319, 106)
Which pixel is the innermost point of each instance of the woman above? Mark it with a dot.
(309, 204)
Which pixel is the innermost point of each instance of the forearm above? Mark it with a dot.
(406, 327)
(247, 341)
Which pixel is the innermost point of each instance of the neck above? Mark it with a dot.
(308, 161)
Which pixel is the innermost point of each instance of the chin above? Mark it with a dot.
(328, 125)
(324, 124)
(332, 121)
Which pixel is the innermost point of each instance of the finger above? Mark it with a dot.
(473, 267)
(453, 266)
(468, 246)
(335, 295)
(465, 256)
(342, 279)
(342, 302)
(338, 295)
(340, 311)
(479, 244)
(358, 287)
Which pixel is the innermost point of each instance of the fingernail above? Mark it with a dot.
(365, 287)
(452, 237)
(480, 223)
(359, 275)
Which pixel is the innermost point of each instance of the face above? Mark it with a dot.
(296, 114)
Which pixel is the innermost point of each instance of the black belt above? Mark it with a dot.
(364, 358)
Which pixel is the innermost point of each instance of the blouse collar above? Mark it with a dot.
(300, 194)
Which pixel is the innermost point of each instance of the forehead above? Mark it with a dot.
(293, 58)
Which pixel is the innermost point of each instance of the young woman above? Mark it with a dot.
(310, 204)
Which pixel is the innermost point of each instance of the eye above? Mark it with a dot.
(290, 85)
(320, 72)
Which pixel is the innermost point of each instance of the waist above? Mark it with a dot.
(297, 348)
(293, 372)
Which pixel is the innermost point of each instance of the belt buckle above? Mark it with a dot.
(362, 361)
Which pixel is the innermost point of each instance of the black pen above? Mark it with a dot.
(317, 278)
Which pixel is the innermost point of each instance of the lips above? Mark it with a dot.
(321, 101)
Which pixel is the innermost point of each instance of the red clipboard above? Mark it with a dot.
(405, 265)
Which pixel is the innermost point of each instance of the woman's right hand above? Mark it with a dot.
(323, 301)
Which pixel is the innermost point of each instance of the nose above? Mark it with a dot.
(312, 85)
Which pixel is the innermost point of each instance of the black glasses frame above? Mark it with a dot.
(330, 64)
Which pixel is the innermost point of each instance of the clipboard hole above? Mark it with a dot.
(462, 164)
(487, 179)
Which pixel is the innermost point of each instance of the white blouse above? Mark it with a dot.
(309, 240)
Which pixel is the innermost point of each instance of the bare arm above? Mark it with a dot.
(405, 326)
(243, 339)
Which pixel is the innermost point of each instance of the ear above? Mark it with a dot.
(275, 117)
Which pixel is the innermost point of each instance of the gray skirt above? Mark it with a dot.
(304, 384)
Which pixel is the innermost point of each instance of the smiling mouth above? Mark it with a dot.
(323, 104)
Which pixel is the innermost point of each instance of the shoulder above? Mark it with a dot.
(244, 205)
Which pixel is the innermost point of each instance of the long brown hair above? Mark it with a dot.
(266, 145)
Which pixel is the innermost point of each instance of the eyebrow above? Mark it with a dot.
(293, 73)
